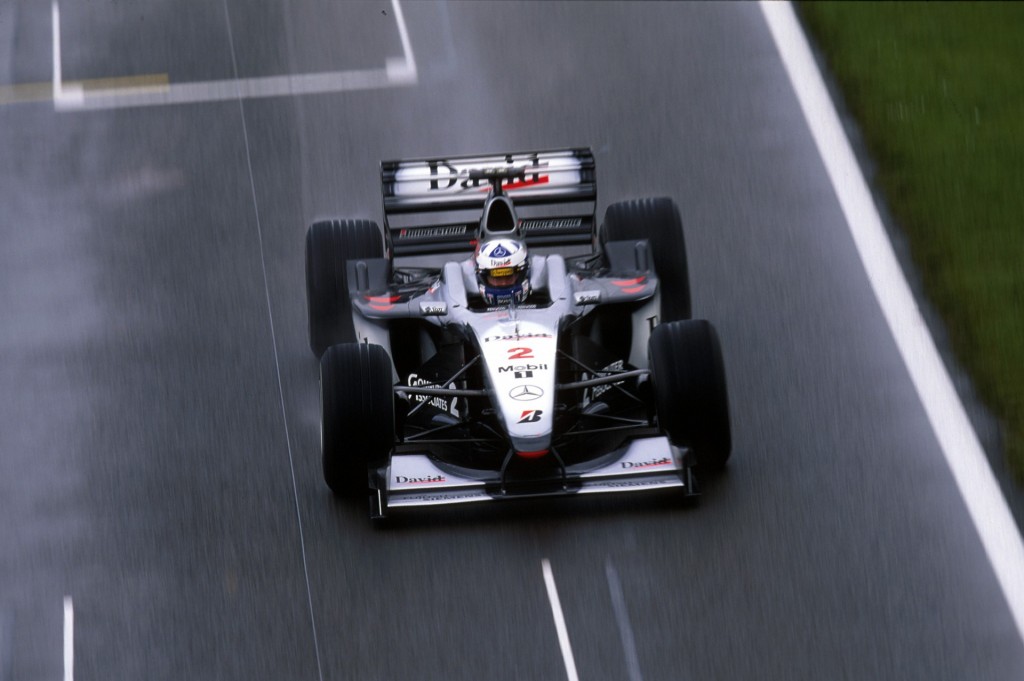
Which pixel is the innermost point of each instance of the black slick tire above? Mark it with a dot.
(357, 404)
(329, 244)
(658, 221)
(690, 392)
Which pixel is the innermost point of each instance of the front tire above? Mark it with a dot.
(329, 245)
(690, 392)
(658, 221)
(357, 403)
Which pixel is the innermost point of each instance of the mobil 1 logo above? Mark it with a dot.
(520, 371)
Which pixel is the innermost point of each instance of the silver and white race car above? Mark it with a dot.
(435, 389)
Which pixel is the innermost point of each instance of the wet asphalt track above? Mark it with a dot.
(158, 404)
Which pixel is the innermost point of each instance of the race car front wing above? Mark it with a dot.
(414, 479)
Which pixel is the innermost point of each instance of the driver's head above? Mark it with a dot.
(503, 271)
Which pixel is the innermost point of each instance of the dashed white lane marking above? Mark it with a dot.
(556, 611)
(69, 639)
(73, 97)
(963, 453)
(622, 618)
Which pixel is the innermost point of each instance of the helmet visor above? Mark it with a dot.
(504, 277)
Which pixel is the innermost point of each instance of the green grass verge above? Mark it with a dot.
(938, 91)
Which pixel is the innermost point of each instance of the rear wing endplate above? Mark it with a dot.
(434, 205)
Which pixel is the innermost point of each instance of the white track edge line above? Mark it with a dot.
(961, 448)
(560, 628)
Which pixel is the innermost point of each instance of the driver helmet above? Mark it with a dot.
(503, 271)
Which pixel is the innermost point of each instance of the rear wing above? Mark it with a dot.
(434, 205)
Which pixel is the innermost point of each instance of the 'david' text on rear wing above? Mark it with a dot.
(434, 205)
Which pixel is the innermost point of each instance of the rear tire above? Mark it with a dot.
(658, 221)
(329, 244)
(357, 430)
(690, 392)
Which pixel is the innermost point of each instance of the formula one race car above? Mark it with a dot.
(482, 349)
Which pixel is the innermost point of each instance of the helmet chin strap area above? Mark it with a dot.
(507, 296)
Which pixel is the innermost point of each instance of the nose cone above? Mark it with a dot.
(520, 361)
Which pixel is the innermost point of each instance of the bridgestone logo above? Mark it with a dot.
(424, 232)
(540, 225)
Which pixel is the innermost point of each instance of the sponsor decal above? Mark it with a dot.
(517, 368)
(633, 483)
(441, 495)
(406, 480)
(563, 223)
(502, 271)
(516, 336)
(451, 172)
(526, 393)
(520, 184)
(559, 171)
(435, 401)
(433, 309)
(499, 251)
(427, 232)
(520, 353)
(446, 177)
(587, 297)
(653, 463)
(531, 416)
(599, 390)
(522, 374)
(504, 308)
(591, 394)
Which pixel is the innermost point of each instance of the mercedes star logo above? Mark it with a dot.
(525, 393)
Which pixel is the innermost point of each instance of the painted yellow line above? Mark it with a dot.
(41, 92)
(28, 92)
(158, 81)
